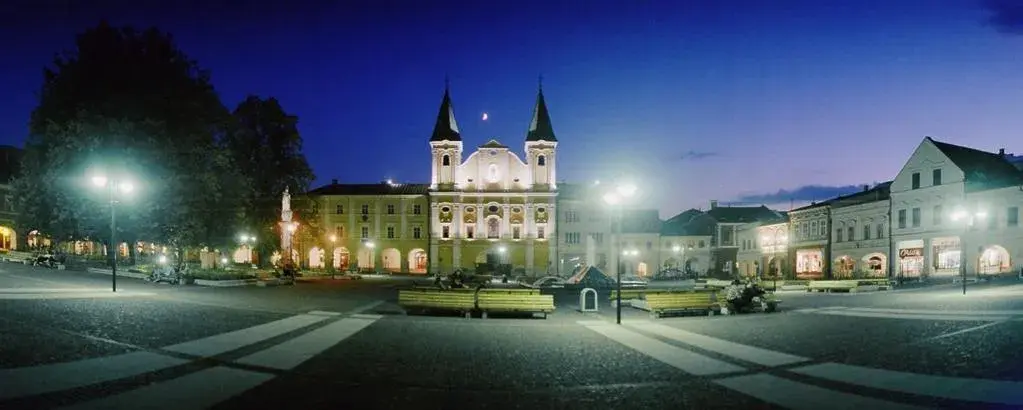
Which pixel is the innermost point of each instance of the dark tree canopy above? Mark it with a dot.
(130, 102)
(266, 147)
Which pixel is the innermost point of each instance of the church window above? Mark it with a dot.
(493, 176)
(493, 228)
(541, 160)
(445, 160)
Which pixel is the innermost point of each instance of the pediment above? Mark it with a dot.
(493, 144)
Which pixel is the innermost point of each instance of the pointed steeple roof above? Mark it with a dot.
(540, 128)
(446, 129)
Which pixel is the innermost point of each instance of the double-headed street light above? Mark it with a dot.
(114, 187)
(615, 199)
(968, 218)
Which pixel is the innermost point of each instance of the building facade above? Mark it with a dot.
(493, 211)
(946, 194)
(860, 240)
(809, 241)
(372, 227)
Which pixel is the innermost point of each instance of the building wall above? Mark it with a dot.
(869, 244)
(808, 242)
(748, 258)
(585, 233)
(374, 232)
(493, 213)
(996, 245)
(682, 251)
(914, 238)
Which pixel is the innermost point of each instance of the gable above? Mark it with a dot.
(925, 159)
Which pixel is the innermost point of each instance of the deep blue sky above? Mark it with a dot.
(694, 100)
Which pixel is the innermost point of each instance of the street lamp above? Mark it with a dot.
(614, 199)
(113, 186)
(968, 218)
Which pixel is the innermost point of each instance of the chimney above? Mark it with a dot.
(333, 181)
(1001, 153)
(713, 204)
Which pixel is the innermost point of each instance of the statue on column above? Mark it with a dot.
(287, 228)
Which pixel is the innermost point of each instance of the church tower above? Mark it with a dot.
(541, 145)
(445, 146)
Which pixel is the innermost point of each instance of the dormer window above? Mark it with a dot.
(541, 160)
(445, 160)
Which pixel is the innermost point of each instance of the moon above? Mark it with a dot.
(486, 116)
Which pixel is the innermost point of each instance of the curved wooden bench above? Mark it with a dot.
(514, 300)
(674, 302)
(453, 300)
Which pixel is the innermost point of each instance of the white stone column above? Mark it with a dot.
(480, 225)
(456, 221)
(435, 229)
(529, 226)
(506, 221)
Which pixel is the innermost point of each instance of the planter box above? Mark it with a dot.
(225, 283)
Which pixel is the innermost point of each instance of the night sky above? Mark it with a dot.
(692, 100)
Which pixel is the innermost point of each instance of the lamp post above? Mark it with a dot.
(113, 186)
(614, 199)
(968, 218)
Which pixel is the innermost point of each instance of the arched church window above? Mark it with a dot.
(494, 176)
(446, 160)
(493, 228)
(541, 160)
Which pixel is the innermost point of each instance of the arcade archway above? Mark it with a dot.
(994, 259)
(417, 261)
(392, 260)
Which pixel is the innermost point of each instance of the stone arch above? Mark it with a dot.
(994, 259)
(844, 266)
(8, 238)
(692, 264)
(391, 259)
(365, 258)
(417, 261)
(342, 258)
(875, 265)
(316, 258)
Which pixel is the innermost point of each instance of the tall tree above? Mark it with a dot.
(266, 148)
(129, 102)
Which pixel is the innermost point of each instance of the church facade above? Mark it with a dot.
(485, 209)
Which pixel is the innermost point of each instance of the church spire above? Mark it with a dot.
(540, 128)
(446, 129)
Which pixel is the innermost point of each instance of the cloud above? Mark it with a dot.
(801, 194)
(1005, 15)
(697, 155)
